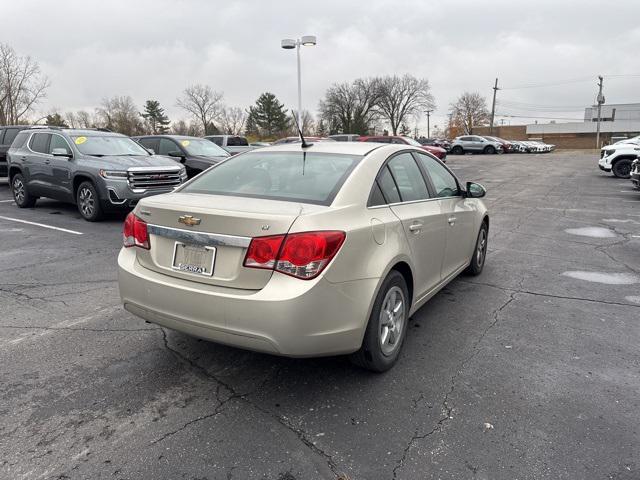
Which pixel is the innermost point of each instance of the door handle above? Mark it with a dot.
(451, 220)
(47, 161)
(416, 227)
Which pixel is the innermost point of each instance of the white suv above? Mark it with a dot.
(617, 158)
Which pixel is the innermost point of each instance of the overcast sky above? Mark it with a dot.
(155, 48)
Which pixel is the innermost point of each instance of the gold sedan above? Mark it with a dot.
(312, 250)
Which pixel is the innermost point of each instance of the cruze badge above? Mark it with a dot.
(188, 220)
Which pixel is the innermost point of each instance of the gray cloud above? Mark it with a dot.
(153, 49)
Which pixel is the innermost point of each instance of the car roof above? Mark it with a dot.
(86, 132)
(175, 137)
(348, 148)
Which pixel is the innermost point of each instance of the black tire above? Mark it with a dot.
(479, 257)
(490, 150)
(372, 354)
(457, 150)
(21, 195)
(88, 202)
(622, 168)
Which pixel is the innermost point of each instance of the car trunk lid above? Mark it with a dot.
(204, 238)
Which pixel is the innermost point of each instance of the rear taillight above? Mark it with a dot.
(134, 232)
(301, 255)
(263, 251)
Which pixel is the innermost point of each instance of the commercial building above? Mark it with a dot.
(617, 121)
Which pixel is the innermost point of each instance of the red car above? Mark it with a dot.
(440, 153)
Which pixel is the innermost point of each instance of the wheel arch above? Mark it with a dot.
(13, 170)
(78, 178)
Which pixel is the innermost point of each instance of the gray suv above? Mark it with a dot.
(95, 169)
(474, 144)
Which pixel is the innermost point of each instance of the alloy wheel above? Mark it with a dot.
(481, 250)
(18, 191)
(87, 202)
(392, 320)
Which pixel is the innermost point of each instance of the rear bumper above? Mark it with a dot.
(287, 317)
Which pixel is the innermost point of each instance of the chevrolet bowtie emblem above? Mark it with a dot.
(188, 220)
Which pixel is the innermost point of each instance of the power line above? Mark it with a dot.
(540, 108)
(533, 116)
(542, 85)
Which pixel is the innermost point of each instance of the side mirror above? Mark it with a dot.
(61, 152)
(475, 190)
(177, 154)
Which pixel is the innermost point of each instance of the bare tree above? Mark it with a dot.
(85, 119)
(233, 120)
(22, 85)
(468, 111)
(402, 98)
(80, 119)
(308, 123)
(351, 107)
(192, 129)
(204, 104)
(120, 115)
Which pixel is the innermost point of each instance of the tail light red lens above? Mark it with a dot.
(134, 232)
(302, 255)
(263, 251)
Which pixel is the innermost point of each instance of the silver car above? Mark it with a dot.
(315, 251)
(474, 144)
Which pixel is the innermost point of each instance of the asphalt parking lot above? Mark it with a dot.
(529, 371)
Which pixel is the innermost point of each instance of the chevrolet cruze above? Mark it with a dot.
(304, 250)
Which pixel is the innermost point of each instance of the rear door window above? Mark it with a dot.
(408, 178)
(40, 142)
(388, 186)
(216, 140)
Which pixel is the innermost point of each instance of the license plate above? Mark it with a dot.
(195, 259)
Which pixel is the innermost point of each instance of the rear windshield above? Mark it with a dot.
(290, 176)
(107, 145)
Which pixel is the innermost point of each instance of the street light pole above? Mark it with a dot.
(299, 87)
(289, 44)
(600, 102)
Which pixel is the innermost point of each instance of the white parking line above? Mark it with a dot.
(7, 201)
(41, 225)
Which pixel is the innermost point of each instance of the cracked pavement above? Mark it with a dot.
(550, 362)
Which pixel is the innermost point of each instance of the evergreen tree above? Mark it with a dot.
(268, 116)
(155, 119)
(56, 120)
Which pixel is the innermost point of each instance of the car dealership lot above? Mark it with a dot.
(530, 370)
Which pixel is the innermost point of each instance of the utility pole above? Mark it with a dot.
(428, 112)
(493, 106)
(600, 102)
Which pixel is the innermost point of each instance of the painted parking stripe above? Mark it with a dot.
(40, 225)
(7, 201)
